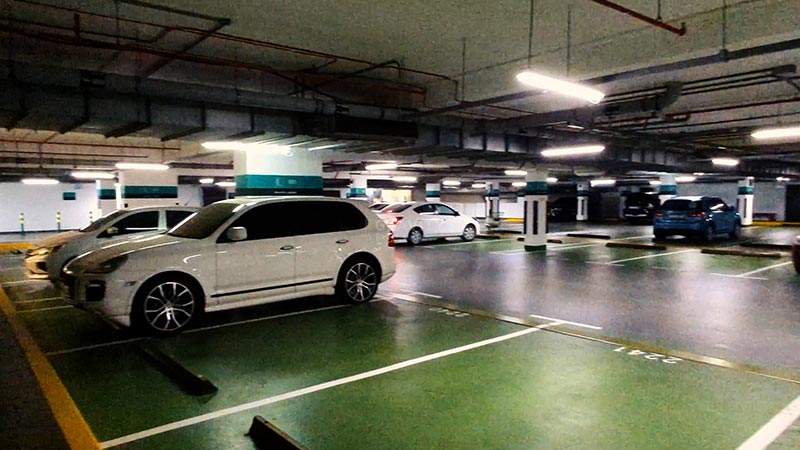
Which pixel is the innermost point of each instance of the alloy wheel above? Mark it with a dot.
(469, 233)
(361, 282)
(169, 306)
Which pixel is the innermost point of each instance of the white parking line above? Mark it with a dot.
(37, 300)
(549, 249)
(421, 293)
(12, 283)
(476, 241)
(737, 276)
(767, 434)
(26, 311)
(656, 255)
(316, 388)
(577, 324)
(763, 269)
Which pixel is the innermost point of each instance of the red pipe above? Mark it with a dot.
(655, 22)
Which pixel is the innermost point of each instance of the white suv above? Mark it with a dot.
(232, 254)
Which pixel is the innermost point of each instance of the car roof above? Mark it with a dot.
(693, 198)
(251, 201)
(159, 208)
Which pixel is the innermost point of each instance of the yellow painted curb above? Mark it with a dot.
(775, 224)
(7, 246)
(69, 418)
(513, 220)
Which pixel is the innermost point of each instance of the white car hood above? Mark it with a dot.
(58, 239)
(122, 247)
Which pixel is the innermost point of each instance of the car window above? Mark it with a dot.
(329, 217)
(176, 217)
(206, 221)
(377, 206)
(273, 220)
(137, 223)
(397, 208)
(716, 204)
(105, 220)
(681, 205)
(422, 209)
(444, 210)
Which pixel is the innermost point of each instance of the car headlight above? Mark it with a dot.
(41, 251)
(108, 265)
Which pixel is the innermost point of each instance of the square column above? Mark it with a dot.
(147, 188)
(493, 203)
(744, 200)
(277, 170)
(433, 192)
(358, 187)
(106, 197)
(582, 193)
(535, 219)
(668, 188)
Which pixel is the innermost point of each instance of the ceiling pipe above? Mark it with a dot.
(637, 15)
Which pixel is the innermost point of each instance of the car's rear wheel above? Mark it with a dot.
(415, 236)
(469, 233)
(358, 281)
(166, 305)
(736, 231)
(708, 235)
(659, 235)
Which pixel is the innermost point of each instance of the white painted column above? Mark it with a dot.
(147, 188)
(582, 193)
(106, 197)
(358, 187)
(278, 170)
(433, 192)
(535, 220)
(668, 188)
(744, 200)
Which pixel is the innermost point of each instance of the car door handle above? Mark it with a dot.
(287, 247)
(342, 241)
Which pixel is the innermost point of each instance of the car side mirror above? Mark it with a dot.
(112, 231)
(236, 234)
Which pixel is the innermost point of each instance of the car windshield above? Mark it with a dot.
(202, 224)
(681, 205)
(100, 223)
(377, 206)
(397, 208)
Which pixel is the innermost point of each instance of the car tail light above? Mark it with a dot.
(699, 214)
(394, 220)
(659, 214)
(391, 239)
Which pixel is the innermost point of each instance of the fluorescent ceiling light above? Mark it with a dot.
(206, 180)
(323, 147)
(226, 184)
(516, 173)
(381, 166)
(39, 181)
(89, 175)
(655, 183)
(519, 184)
(141, 166)
(725, 162)
(571, 151)
(603, 182)
(782, 179)
(451, 183)
(478, 185)
(404, 179)
(777, 133)
(551, 179)
(685, 179)
(562, 87)
(699, 174)
(574, 127)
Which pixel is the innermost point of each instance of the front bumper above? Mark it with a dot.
(109, 298)
(36, 267)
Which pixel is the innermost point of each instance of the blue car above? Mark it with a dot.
(697, 217)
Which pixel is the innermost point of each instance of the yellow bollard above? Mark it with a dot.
(58, 220)
(22, 223)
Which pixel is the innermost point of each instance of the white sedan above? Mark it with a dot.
(232, 254)
(416, 221)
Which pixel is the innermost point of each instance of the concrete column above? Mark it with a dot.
(668, 188)
(277, 171)
(433, 192)
(582, 192)
(106, 197)
(535, 220)
(744, 200)
(147, 188)
(344, 192)
(358, 187)
(493, 202)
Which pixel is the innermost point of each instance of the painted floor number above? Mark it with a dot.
(448, 312)
(651, 356)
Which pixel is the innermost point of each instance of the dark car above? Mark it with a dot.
(640, 207)
(697, 216)
(562, 209)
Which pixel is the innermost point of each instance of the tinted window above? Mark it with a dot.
(445, 210)
(208, 219)
(425, 209)
(681, 205)
(103, 221)
(176, 217)
(716, 204)
(397, 208)
(377, 206)
(328, 217)
(137, 223)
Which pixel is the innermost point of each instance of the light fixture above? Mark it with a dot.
(451, 183)
(574, 127)
(89, 175)
(478, 185)
(603, 182)
(562, 87)
(404, 179)
(782, 179)
(226, 183)
(381, 166)
(519, 184)
(699, 174)
(551, 179)
(655, 183)
(206, 180)
(725, 162)
(685, 179)
(777, 133)
(516, 173)
(141, 166)
(41, 181)
(323, 147)
(572, 151)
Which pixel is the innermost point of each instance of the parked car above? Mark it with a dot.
(640, 207)
(563, 209)
(796, 254)
(232, 254)
(702, 217)
(46, 258)
(416, 221)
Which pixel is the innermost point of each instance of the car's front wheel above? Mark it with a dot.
(736, 231)
(415, 236)
(469, 233)
(358, 281)
(166, 305)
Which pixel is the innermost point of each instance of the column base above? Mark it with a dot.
(535, 248)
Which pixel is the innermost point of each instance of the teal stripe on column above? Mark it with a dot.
(106, 194)
(357, 192)
(149, 192)
(745, 190)
(278, 185)
(435, 194)
(582, 193)
(68, 196)
(668, 189)
(536, 188)
(494, 193)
